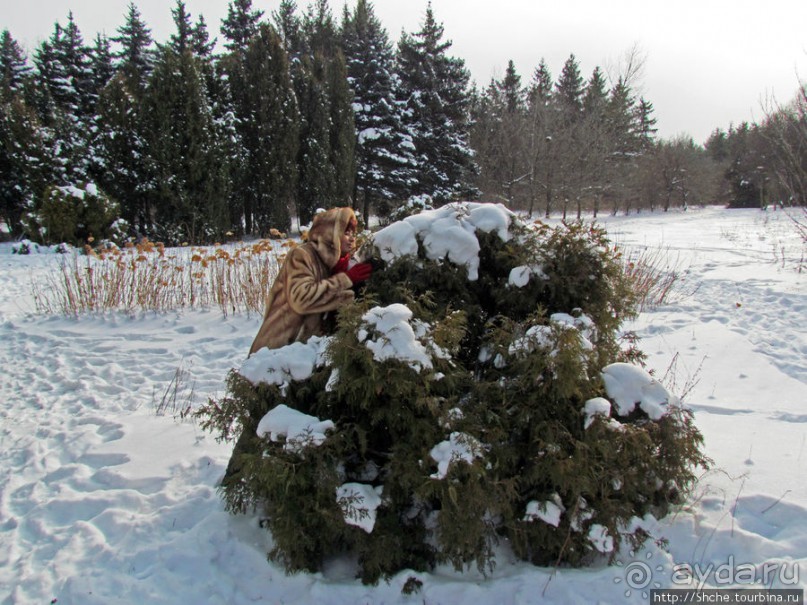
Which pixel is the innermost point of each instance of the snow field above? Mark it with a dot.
(104, 501)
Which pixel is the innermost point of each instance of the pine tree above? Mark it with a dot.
(322, 39)
(436, 88)
(384, 147)
(327, 132)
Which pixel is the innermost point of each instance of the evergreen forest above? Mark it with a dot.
(201, 138)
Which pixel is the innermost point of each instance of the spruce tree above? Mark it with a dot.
(65, 79)
(541, 125)
(436, 88)
(14, 68)
(201, 43)
(501, 139)
(327, 132)
(595, 95)
(102, 71)
(511, 90)
(183, 37)
(189, 190)
(122, 165)
(102, 68)
(290, 27)
(72, 63)
(569, 91)
(646, 124)
(18, 128)
(385, 158)
(595, 151)
(540, 90)
(342, 131)
(316, 185)
(136, 55)
(24, 172)
(241, 25)
(267, 120)
(621, 118)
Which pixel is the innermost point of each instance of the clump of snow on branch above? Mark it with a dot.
(548, 512)
(359, 502)
(599, 406)
(459, 447)
(520, 276)
(296, 361)
(300, 430)
(448, 233)
(600, 539)
(540, 337)
(628, 385)
(390, 335)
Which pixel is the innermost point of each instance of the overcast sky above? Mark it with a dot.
(708, 63)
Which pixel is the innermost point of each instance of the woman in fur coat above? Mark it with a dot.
(315, 279)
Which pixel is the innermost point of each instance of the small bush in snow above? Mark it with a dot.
(477, 393)
(76, 215)
(25, 246)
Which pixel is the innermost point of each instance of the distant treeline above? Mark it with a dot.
(193, 141)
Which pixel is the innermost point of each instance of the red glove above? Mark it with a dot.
(341, 265)
(359, 273)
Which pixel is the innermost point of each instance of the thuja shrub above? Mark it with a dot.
(477, 393)
(76, 215)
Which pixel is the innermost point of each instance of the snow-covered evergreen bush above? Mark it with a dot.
(477, 393)
(76, 215)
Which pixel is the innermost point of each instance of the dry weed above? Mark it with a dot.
(655, 275)
(149, 277)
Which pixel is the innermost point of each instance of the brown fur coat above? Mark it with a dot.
(304, 290)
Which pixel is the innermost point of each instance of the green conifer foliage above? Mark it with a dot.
(462, 403)
(267, 122)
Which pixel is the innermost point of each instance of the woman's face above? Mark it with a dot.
(348, 239)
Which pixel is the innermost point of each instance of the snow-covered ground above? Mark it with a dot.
(104, 500)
